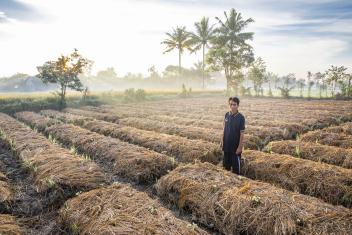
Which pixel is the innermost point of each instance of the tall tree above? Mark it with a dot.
(319, 81)
(257, 74)
(272, 78)
(334, 75)
(349, 81)
(153, 73)
(310, 83)
(301, 83)
(230, 50)
(180, 40)
(201, 39)
(288, 83)
(65, 71)
(345, 85)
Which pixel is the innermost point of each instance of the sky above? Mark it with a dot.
(292, 36)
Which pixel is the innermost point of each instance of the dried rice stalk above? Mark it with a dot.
(136, 163)
(207, 134)
(312, 151)
(101, 116)
(235, 205)
(6, 194)
(9, 226)
(34, 120)
(328, 138)
(52, 166)
(119, 209)
(183, 149)
(328, 182)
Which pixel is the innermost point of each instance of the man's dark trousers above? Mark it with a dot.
(232, 161)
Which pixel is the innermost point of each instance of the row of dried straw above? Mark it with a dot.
(341, 140)
(97, 115)
(120, 209)
(237, 205)
(9, 225)
(207, 134)
(6, 194)
(328, 182)
(51, 165)
(183, 149)
(313, 151)
(133, 162)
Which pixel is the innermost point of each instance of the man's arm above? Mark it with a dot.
(240, 145)
(222, 134)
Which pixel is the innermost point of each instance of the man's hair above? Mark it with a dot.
(235, 99)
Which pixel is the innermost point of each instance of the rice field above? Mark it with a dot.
(156, 168)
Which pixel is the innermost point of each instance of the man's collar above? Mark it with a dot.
(234, 114)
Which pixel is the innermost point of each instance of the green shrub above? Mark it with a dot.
(132, 95)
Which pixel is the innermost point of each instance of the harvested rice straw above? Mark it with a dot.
(183, 149)
(9, 226)
(212, 135)
(52, 166)
(254, 133)
(6, 194)
(328, 138)
(278, 112)
(237, 205)
(312, 151)
(120, 209)
(133, 162)
(345, 128)
(34, 120)
(101, 116)
(328, 182)
(65, 117)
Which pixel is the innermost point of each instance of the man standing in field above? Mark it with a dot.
(233, 136)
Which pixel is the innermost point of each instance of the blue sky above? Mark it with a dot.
(291, 36)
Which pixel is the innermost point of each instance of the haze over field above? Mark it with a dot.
(291, 36)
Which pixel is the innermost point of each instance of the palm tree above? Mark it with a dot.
(201, 38)
(179, 39)
(231, 51)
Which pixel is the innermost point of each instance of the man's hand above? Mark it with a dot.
(238, 150)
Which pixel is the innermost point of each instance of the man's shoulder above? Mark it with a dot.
(241, 115)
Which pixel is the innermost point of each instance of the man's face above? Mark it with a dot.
(233, 106)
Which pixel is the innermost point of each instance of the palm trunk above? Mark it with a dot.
(179, 63)
(203, 75)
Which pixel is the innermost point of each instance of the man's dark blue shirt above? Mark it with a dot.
(234, 124)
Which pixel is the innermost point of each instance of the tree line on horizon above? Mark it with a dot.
(229, 51)
(225, 48)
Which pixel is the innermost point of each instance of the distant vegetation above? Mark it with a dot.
(227, 62)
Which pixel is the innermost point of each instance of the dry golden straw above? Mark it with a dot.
(119, 209)
(51, 165)
(237, 205)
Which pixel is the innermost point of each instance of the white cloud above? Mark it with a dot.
(127, 35)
